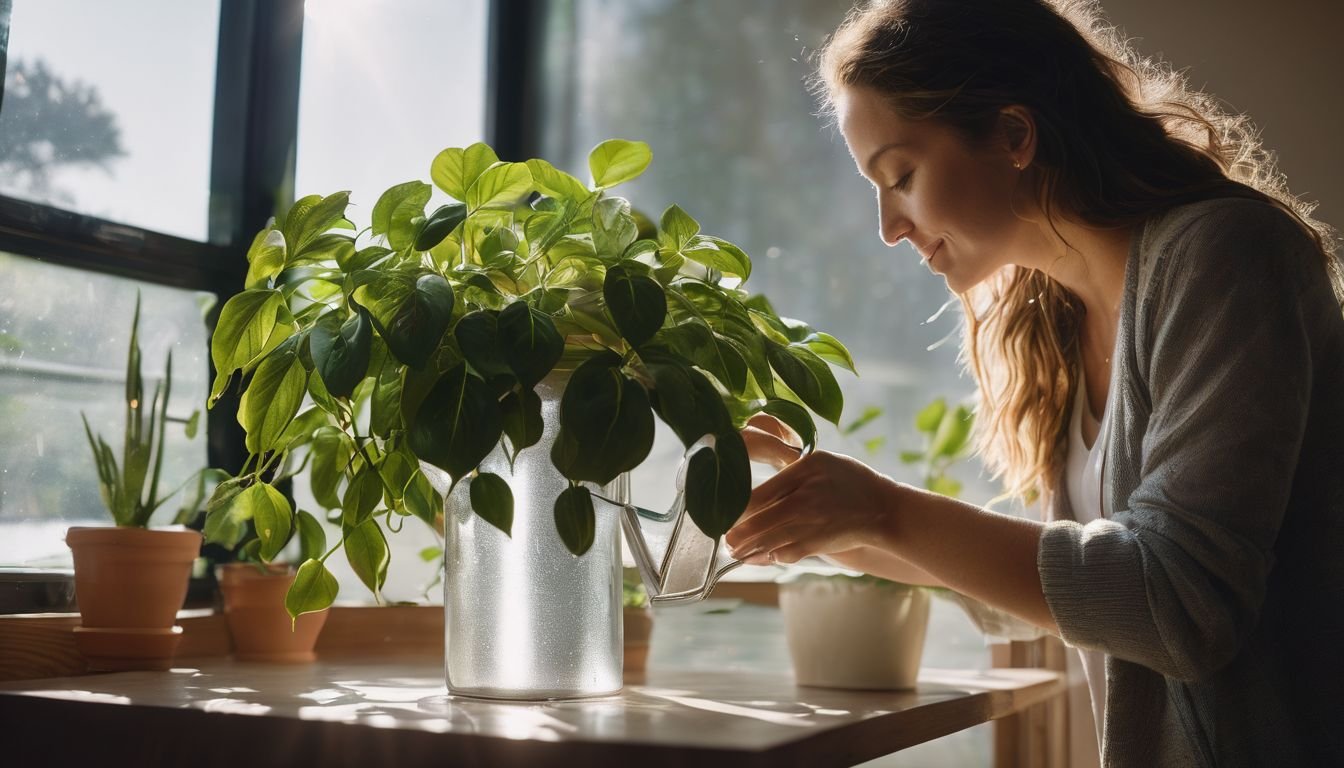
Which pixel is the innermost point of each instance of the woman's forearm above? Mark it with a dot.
(879, 562)
(985, 555)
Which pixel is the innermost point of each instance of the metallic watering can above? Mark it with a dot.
(677, 562)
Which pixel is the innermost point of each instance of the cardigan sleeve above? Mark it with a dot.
(1174, 579)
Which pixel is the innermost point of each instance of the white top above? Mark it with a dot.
(1083, 481)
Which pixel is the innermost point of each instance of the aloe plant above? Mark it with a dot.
(422, 336)
(131, 490)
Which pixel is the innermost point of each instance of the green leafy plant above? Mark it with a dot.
(422, 337)
(947, 434)
(130, 490)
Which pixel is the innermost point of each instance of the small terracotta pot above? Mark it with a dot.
(854, 633)
(254, 607)
(129, 584)
(638, 624)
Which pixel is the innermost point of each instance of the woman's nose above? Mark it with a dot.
(892, 226)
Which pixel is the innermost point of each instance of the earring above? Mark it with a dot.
(1017, 165)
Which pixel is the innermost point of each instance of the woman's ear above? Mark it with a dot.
(1017, 128)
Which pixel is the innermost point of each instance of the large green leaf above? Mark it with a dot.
(366, 550)
(687, 402)
(406, 197)
(439, 225)
(271, 515)
(636, 302)
(697, 343)
(266, 258)
(614, 229)
(459, 423)
(492, 499)
(340, 351)
(330, 247)
(396, 468)
(225, 521)
(251, 324)
(718, 484)
(385, 416)
(454, 170)
(477, 335)
(616, 161)
(361, 496)
(420, 498)
(311, 218)
(314, 589)
(676, 229)
(499, 187)
(545, 228)
(719, 254)
(809, 377)
(330, 455)
(606, 422)
(272, 400)
(829, 348)
(408, 220)
(696, 302)
(531, 344)
(554, 182)
(410, 314)
(575, 519)
(417, 383)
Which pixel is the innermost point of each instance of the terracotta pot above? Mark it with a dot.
(130, 584)
(847, 632)
(254, 608)
(638, 626)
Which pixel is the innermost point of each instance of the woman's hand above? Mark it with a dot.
(819, 504)
(770, 441)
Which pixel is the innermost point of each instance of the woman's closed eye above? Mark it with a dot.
(904, 181)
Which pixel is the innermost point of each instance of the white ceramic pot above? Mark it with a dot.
(854, 632)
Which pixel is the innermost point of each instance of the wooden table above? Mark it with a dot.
(719, 692)
(219, 712)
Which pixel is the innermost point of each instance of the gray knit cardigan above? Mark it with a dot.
(1215, 583)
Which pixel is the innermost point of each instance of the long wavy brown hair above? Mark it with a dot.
(1120, 138)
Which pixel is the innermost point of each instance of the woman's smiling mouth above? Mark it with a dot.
(933, 252)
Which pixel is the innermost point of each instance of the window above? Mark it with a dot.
(385, 86)
(107, 114)
(63, 343)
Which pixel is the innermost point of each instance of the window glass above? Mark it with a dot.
(106, 114)
(385, 86)
(63, 343)
(720, 97)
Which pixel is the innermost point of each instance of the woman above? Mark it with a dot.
(1155, 329)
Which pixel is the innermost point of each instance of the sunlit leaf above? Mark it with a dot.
(616, 161)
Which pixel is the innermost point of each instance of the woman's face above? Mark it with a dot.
(953, 201)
